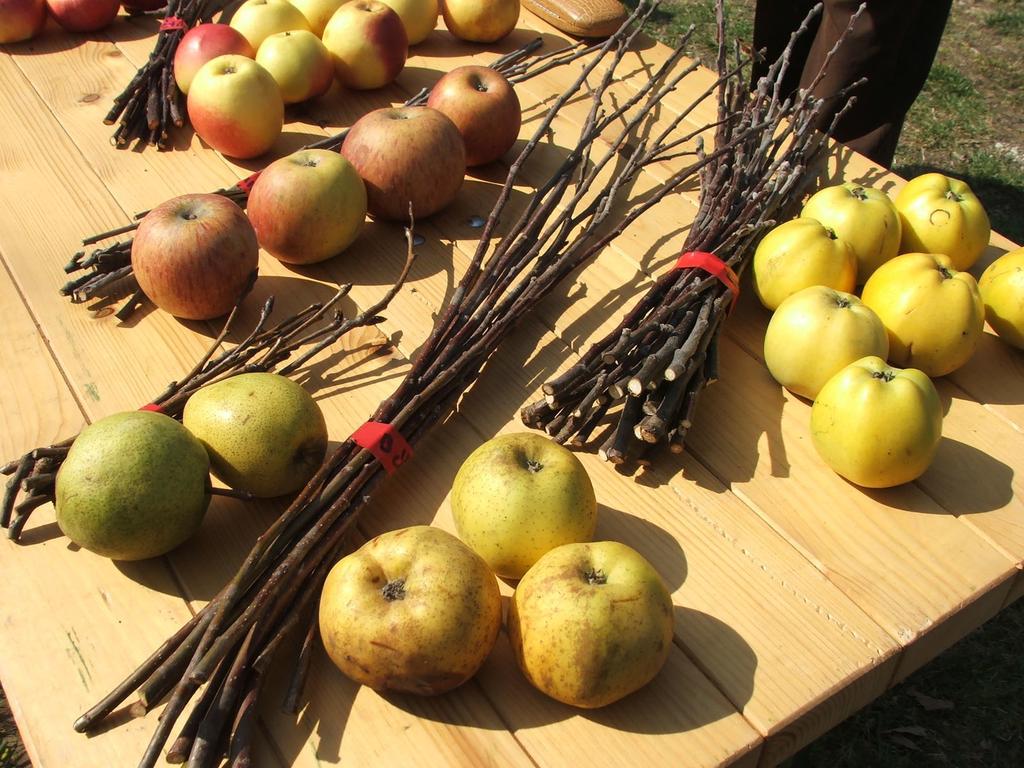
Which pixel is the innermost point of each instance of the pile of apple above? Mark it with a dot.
(879, 423)
(419, 610)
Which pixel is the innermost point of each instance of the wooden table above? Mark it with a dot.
(799, 598)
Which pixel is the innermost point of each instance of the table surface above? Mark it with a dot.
(798, 597)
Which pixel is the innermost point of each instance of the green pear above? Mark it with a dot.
(134, 485)
(265, 434)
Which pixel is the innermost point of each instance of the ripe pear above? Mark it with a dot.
(265, 434)
(134, 485)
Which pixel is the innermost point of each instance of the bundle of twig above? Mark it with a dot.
(152, 102)
(290, 344)
(219, 659)
(664, 351)
(107, 271)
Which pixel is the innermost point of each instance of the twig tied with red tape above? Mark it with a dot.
(218, 660)
(641, 382)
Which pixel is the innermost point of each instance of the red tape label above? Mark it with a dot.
(713, 266)
(385, 443)
(246, 184)
(171, 23)
(152, 407)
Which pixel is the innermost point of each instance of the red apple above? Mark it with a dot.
(308, 206)
(406, 155)
(21, 19)
(368, 43)
(484, 107)
(300, 64)
(83, 15)
(195, 255)
(234, 104)
(202, 43)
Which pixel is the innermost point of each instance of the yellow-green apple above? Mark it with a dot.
(876, 425)
(817, 332)
(300, 64)
(202, 43)
(797, 254)
(263, 432)
(21, 19)
(195, 255)
(419, 17)
(940, 214)
(234, 105)
(1002, 291)
(317, 12)
(519, 495)
(862, 217)
(308, 206)
(258, 19)
(484, 107)
(412, 610)
(933, 313)
(84, 15)
(134, 485)
(406, 156)
(591, 623)
(480, 21)
(368, 43)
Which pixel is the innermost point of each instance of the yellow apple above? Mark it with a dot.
(590, 623)
(480, 21)
(798, 254)
(367, 42)
(517, 496)
(864, 218)
(942, 215)
(817, 332)
(418, 16)
(1002, 291)
(318, 12)
(412, 610)
(300, 64)
(933, 314)
(875, 425)
(259, 19)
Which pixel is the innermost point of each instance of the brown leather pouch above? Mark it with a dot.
(582, 18)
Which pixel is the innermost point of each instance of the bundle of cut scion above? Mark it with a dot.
(646, 375)
(151, 104)
(107, 271)
(218, 660)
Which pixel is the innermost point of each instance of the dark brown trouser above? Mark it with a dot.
(893, 45)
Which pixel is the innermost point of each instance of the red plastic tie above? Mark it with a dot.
(246, 184)
(713, 266)
(172, 23)
(385, 443)
(152, 407)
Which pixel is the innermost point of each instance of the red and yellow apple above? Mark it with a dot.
(1002, 291)
(308, 206)
(195, 255)
(202, 43)
(300, 64)
(484, 107)
(259, 19)
(21, 19)
(419, 17)
(480, 21)
(876, 425)
(234, 105)
(84, 15)
(317, 12)
(406, 156)
(940, 214)
(368, 43)
(933, 313)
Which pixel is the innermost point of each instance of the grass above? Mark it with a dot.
(964, 709)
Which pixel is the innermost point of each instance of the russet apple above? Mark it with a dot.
(202, 43)
(308, 206)
(195, 255)
(368, 43)
(480, 21)
(412, 610)
(590, 623)
(84, 15)
(318, 12)
(406, 155)
(258, 19)
(484, 107)
(300, 64)
(519, 495)
(234, 105)
(419, 17)
(264, 433)
(21, 19)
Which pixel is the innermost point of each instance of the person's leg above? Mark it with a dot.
(774, 23)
